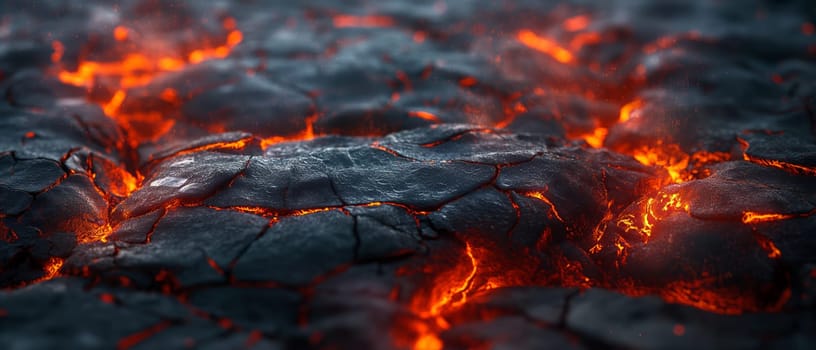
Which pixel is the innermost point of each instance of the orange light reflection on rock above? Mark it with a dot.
(169, 95)
(120, 33)
(350, 21)
(59, 50)
(583, 39)
(468, 82)
(574, 24)
(424, 115)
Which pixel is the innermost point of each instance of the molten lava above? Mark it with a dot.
(750, 217)
(449, 292)
(305, 135)
(627, 110)
(428, 342)
(596, 138)
(455, 294)
(653, 210)
(574, 24)
(51, 269)
(550, 47)
(138, 69)
(669, 157)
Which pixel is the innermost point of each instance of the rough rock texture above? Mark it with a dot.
(401, 174)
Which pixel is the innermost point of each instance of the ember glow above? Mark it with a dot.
(454, 294)
(542, 197)
(668, 157)
(450, 291)
(547, 46)
(654, 209)
(627, 110)
(137, 69)
(343, 21)
(52, 268)
(749, 217)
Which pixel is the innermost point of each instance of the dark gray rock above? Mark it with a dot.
(31, 176)
(649, 323)
(255, 105)
(287, 253)
(190, 230)
(183, 179)
(420, 185)
(73, 205)
(13, 202)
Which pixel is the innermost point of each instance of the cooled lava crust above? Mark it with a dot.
(417, 175)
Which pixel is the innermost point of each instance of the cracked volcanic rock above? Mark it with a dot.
(397, 174)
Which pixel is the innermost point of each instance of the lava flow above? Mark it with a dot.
(652, 211)
(447, 291)
(139, 68)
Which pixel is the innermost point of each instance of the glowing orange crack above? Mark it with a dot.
(350, 21)
(751, 217)
(305, 135)
(424, 115)
(138, 337)
(653, 210)
(540, 196)
(576, 23)
(453, 296)
(768, 245)
(138, 69)
(135, 69)
(51, 269)
(447, 299)
(547, 46)
(795, 169)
